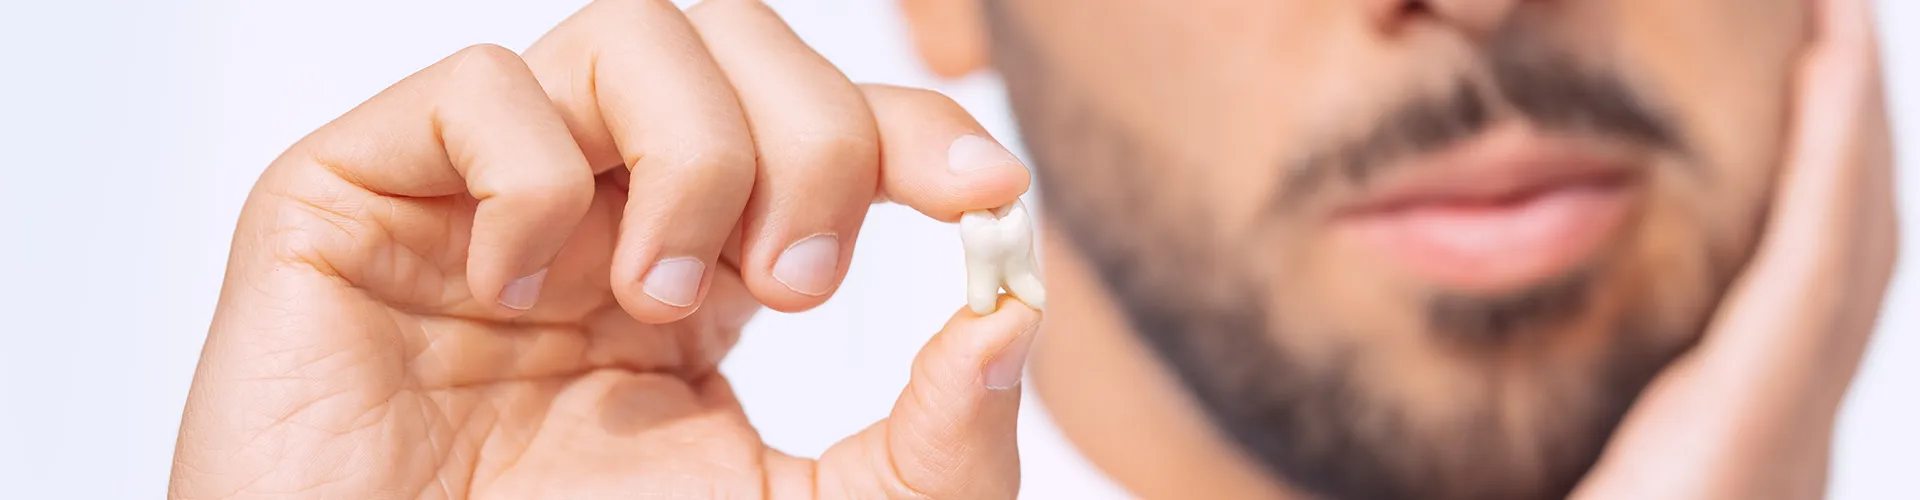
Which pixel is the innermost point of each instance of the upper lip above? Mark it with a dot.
(1499, 167)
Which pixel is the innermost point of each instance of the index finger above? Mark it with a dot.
(935, 158)
(1831, 227)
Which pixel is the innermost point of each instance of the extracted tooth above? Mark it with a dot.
(999, 245)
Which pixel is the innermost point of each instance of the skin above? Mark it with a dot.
(365, 347)
(1209, 196)
(1208, 124)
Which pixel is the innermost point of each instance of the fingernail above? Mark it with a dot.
(972, 152)
(808, 266)
(1005, 369)
(520, 294)
(675, 281)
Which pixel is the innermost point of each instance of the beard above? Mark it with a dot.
(1314, 420)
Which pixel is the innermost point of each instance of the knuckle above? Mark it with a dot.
(617, 12)
(730, 8)
(547, 194)
(830, 150)
(487, 59)
(733, 165)
(555, 191)
(932, 98)
(918, 97)
(704, 164)
(485, 67)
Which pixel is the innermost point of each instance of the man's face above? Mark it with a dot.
(1408, 249)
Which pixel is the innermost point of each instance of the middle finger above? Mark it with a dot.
(636, 86)
(818, 154)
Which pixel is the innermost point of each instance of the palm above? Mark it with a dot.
(573, 396)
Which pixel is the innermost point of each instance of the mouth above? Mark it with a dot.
(1496, 213)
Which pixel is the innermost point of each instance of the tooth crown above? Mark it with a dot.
(999, 247)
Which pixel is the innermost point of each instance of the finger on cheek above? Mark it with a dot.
(1834, 143)
(937, 159)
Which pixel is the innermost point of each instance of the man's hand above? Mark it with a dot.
(1749, 414)
(512, 277)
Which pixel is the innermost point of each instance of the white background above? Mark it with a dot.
(130, 132)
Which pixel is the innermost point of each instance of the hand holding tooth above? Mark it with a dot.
(999, 246)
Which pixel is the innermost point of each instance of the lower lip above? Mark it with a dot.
(1493, 247)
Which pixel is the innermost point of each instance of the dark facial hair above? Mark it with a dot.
(1187, 297)
(1544, 87)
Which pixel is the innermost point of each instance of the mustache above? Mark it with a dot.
(1536, 83)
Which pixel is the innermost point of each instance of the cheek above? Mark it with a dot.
(1723, 70)
(1672, 270)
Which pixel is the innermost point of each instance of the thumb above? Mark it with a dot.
(951, 434)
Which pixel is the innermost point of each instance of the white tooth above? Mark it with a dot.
(982, 241)
(999, 246)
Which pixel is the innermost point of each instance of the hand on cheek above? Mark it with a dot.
(1750, 412)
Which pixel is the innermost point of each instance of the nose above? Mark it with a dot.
(1478, 17)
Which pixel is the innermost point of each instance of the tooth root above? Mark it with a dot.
(983, 286)
(1020, 272)
(1000, 254)
(1026, 286)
